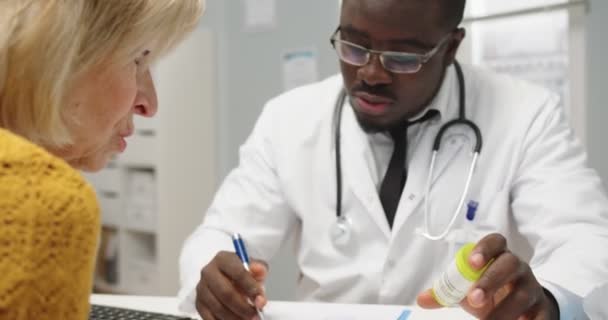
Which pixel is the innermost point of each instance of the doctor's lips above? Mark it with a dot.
(372, 104)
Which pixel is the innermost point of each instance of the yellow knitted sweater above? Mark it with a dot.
(49, 229)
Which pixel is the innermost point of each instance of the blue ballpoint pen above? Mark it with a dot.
(241, 252)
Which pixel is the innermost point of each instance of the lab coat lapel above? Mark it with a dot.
(413, 193)
(418, 169)
(358, 162)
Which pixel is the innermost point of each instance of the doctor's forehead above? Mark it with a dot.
(393, 18)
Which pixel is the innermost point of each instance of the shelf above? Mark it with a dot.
(141, 277)
(106, 270)
(141, 206)
(142, 150)
(111, 206)
(140, 263)
(108, 180)
(140, 246)
(100, 286)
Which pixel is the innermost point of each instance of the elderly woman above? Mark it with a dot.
(73, 74)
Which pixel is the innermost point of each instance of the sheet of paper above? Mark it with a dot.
(281, 310)
(320, 311)
(260, 14)
(300, 67)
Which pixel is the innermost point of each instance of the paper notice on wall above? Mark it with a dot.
(541, 52)
(300, 67)
(260, 14)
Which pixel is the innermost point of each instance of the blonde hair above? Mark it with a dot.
(46, 44)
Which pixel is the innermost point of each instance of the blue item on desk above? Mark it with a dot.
(405, 315)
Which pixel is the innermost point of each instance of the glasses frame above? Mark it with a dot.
(422, 58)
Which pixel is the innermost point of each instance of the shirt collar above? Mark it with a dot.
(441, 101)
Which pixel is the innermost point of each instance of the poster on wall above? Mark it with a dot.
(534, 47)
(260, 15)
(300, 67)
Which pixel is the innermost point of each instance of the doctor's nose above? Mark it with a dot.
(374, 73)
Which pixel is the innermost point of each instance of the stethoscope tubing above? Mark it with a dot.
(461, 121)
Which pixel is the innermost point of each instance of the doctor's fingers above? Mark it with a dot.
(223, 299)
(259, 270)
(525, 300)
(231, 266)
(202, 307)
(506, 269)
(540, 313)
(208, 306)
(488, 248)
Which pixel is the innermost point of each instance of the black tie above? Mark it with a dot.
(396, 174)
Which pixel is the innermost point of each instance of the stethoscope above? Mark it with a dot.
(341, 231)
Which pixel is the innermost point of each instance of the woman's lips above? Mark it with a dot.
(122, 144)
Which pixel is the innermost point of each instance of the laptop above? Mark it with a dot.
(99, 312)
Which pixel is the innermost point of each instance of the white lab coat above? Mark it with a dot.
(532, 184)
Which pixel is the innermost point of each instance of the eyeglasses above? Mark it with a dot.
(396, 62)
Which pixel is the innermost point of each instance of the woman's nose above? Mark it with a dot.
(146, 102)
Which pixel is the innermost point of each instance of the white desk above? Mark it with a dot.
(291, 310)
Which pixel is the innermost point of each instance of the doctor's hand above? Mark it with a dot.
(226, 289)
(507, 290)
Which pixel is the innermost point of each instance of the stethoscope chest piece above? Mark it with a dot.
(341, 232)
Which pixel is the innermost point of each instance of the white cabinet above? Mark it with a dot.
(142, 150)
(542, 41)
(108, 180)
(112, 213)
(141, 204)
(154, 194)
(140, 268)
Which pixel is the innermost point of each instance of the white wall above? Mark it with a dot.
(597, 112)
(252, 63)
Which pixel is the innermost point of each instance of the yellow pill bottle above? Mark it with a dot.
(454, 284)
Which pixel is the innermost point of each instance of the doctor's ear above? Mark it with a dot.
(453, 46)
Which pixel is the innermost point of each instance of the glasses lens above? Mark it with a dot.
(351, 54)
(402, 63)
